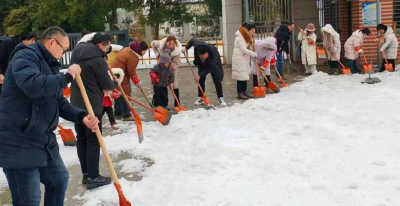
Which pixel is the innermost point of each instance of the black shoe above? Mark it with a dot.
(97, 182)
(247, 95)
(84, 178)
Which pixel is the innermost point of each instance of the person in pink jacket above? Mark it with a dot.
(353, 47)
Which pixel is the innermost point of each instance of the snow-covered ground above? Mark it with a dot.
(328, 140)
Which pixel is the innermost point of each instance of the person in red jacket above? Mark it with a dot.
(107, 106)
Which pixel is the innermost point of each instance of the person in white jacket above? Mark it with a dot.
(266, 50)
(353, 47)
(242, 52)
(332, 45)
(174, 48)
(308, 48)
(389, 48)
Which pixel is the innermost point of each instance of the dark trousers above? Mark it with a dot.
(390, 61)
(160, 97)
(176, 91)
(241, 86)
(24, 184)
(88, 149)
(352, 64)
(255, 81)
(121, 108)
(217, 82)
(110, 114)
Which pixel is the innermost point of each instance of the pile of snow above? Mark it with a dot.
(328, 140)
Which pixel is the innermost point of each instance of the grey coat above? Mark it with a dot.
(166, 75)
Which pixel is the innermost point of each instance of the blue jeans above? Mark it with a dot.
(24, 184)
(279, 62)
(121, 109)
(352, 64)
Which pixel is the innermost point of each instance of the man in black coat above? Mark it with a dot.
(283, 37)
(90, 56)
(30, 107)
(207, 60)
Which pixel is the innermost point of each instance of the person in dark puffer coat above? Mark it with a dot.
(30, 107)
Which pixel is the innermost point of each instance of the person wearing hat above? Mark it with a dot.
(266, 50)
(353, 47)
(162, 76)
(128, 59)
(308, 49)
(389, 48)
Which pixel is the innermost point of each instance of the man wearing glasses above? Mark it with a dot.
(31, 105)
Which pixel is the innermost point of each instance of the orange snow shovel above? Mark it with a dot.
(258, 91)
(122, 200)
(283, 84)
(67, 136)
(160, 114)
(271, 85)
(138, 121)
(367, 68)
(205, 99)
(179, 107)
(388, 67)
(344, 69)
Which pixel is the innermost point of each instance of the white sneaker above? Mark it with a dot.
(198, 102)
(222, 101)
(115, 127)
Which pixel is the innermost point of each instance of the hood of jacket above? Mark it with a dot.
(245, 34)
(176, 50)
(267, 43)
(87, 50)
(329, 29)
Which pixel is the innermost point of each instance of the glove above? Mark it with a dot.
(272, 60)
(116, 94)
(360, 51)
(311, 42)
(154, 78)
(136, 81)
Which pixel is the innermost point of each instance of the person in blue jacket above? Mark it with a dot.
(30, 107)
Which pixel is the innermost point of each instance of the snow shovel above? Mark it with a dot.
(291, 69)
(388, 67)
(122, 200)
(67, 136)
(258, 91)
(283, 84)
(141, 89)
(161, 114)
(205, 99)
(67, 92)
(367, 67)
(135, 115)
(344, 69)
(179, 107)
(271, 85)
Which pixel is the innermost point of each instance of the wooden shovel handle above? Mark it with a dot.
(336, 59)
(194, 75)
(385, 57)
(141, 104)
(175, 97)
(89, 108)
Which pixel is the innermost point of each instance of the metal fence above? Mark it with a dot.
(328, 13)
(268, 15)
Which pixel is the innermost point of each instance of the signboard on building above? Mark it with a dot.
(369, 14)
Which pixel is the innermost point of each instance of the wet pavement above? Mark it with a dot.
(188, 95)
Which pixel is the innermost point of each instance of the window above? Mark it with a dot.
(396, 15)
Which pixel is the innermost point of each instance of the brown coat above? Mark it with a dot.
(128, 61)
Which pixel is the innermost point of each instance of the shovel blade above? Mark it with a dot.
(258, 92)
(273, 87)
(206, 101)
(122, 200)
(180, 108)
(138, 122)
(162, 115)
(67, 137)
(346, 71)
(283, 84)
(367, 68)
(389, 67)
